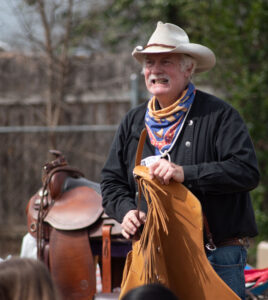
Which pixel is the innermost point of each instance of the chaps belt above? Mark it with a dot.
(234, 242)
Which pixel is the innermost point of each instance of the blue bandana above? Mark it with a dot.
(163, 125)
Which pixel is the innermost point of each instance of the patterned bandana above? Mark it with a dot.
(164, 125)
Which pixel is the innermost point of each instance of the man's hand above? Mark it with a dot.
(131, 222)
(164, 170)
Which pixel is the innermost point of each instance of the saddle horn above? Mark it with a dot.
(60, 161)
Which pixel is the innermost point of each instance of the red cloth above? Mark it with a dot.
(256, 275)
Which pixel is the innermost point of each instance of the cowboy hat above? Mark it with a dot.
(170, 38)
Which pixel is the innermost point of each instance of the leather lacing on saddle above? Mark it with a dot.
(156, 220)
(40, 220)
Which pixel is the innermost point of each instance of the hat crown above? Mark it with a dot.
(168, 34)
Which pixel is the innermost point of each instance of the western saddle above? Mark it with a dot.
(73, 233)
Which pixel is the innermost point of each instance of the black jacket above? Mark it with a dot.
(218, 158)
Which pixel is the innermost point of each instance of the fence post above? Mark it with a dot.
(134, 91)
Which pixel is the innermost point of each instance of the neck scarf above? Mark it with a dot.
(164, 125)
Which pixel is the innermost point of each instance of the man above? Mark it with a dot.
(193, 138)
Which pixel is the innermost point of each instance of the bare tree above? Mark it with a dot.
(58, 64)
(48, 25)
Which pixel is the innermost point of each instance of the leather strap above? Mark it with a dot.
(106, 259)
(138, 162)
(140, 147)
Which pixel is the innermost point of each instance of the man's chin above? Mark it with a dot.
(160, 91)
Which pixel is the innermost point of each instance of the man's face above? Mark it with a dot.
(164, 78)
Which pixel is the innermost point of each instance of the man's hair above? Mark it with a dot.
(186, 62)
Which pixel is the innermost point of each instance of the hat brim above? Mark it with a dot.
(204, 57)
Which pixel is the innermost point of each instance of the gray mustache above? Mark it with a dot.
(152, 78)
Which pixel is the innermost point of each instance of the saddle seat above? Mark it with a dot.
(75, 209)
(79, 208)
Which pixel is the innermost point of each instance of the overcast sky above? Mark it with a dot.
(9, 26)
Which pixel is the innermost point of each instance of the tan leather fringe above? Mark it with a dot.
(156, 220)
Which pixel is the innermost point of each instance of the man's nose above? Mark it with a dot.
(156, 68)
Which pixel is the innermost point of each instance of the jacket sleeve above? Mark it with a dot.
(234, 168)
(118, 198)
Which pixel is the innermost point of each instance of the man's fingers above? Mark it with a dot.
(168, 176)
(164, 170)
(159, 169)
(152, 169)
(131, 216)
(125, 234)
(134, 219)
(132, 222)
(129, 227)
(142, 216)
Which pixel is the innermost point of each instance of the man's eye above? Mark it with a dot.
(166, 62)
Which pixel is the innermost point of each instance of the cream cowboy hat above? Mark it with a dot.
(170, 38)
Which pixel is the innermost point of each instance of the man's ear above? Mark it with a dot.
(189, 71)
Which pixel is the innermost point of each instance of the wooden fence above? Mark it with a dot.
(84, 138)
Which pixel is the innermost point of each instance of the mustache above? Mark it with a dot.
(153, 78)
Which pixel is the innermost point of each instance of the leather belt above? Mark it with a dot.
(212, 246)
(234, 242)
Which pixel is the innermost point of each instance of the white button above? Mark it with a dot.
(188, 144)
(191, 122)
(158, 249)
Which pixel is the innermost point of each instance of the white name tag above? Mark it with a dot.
(147, 161)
